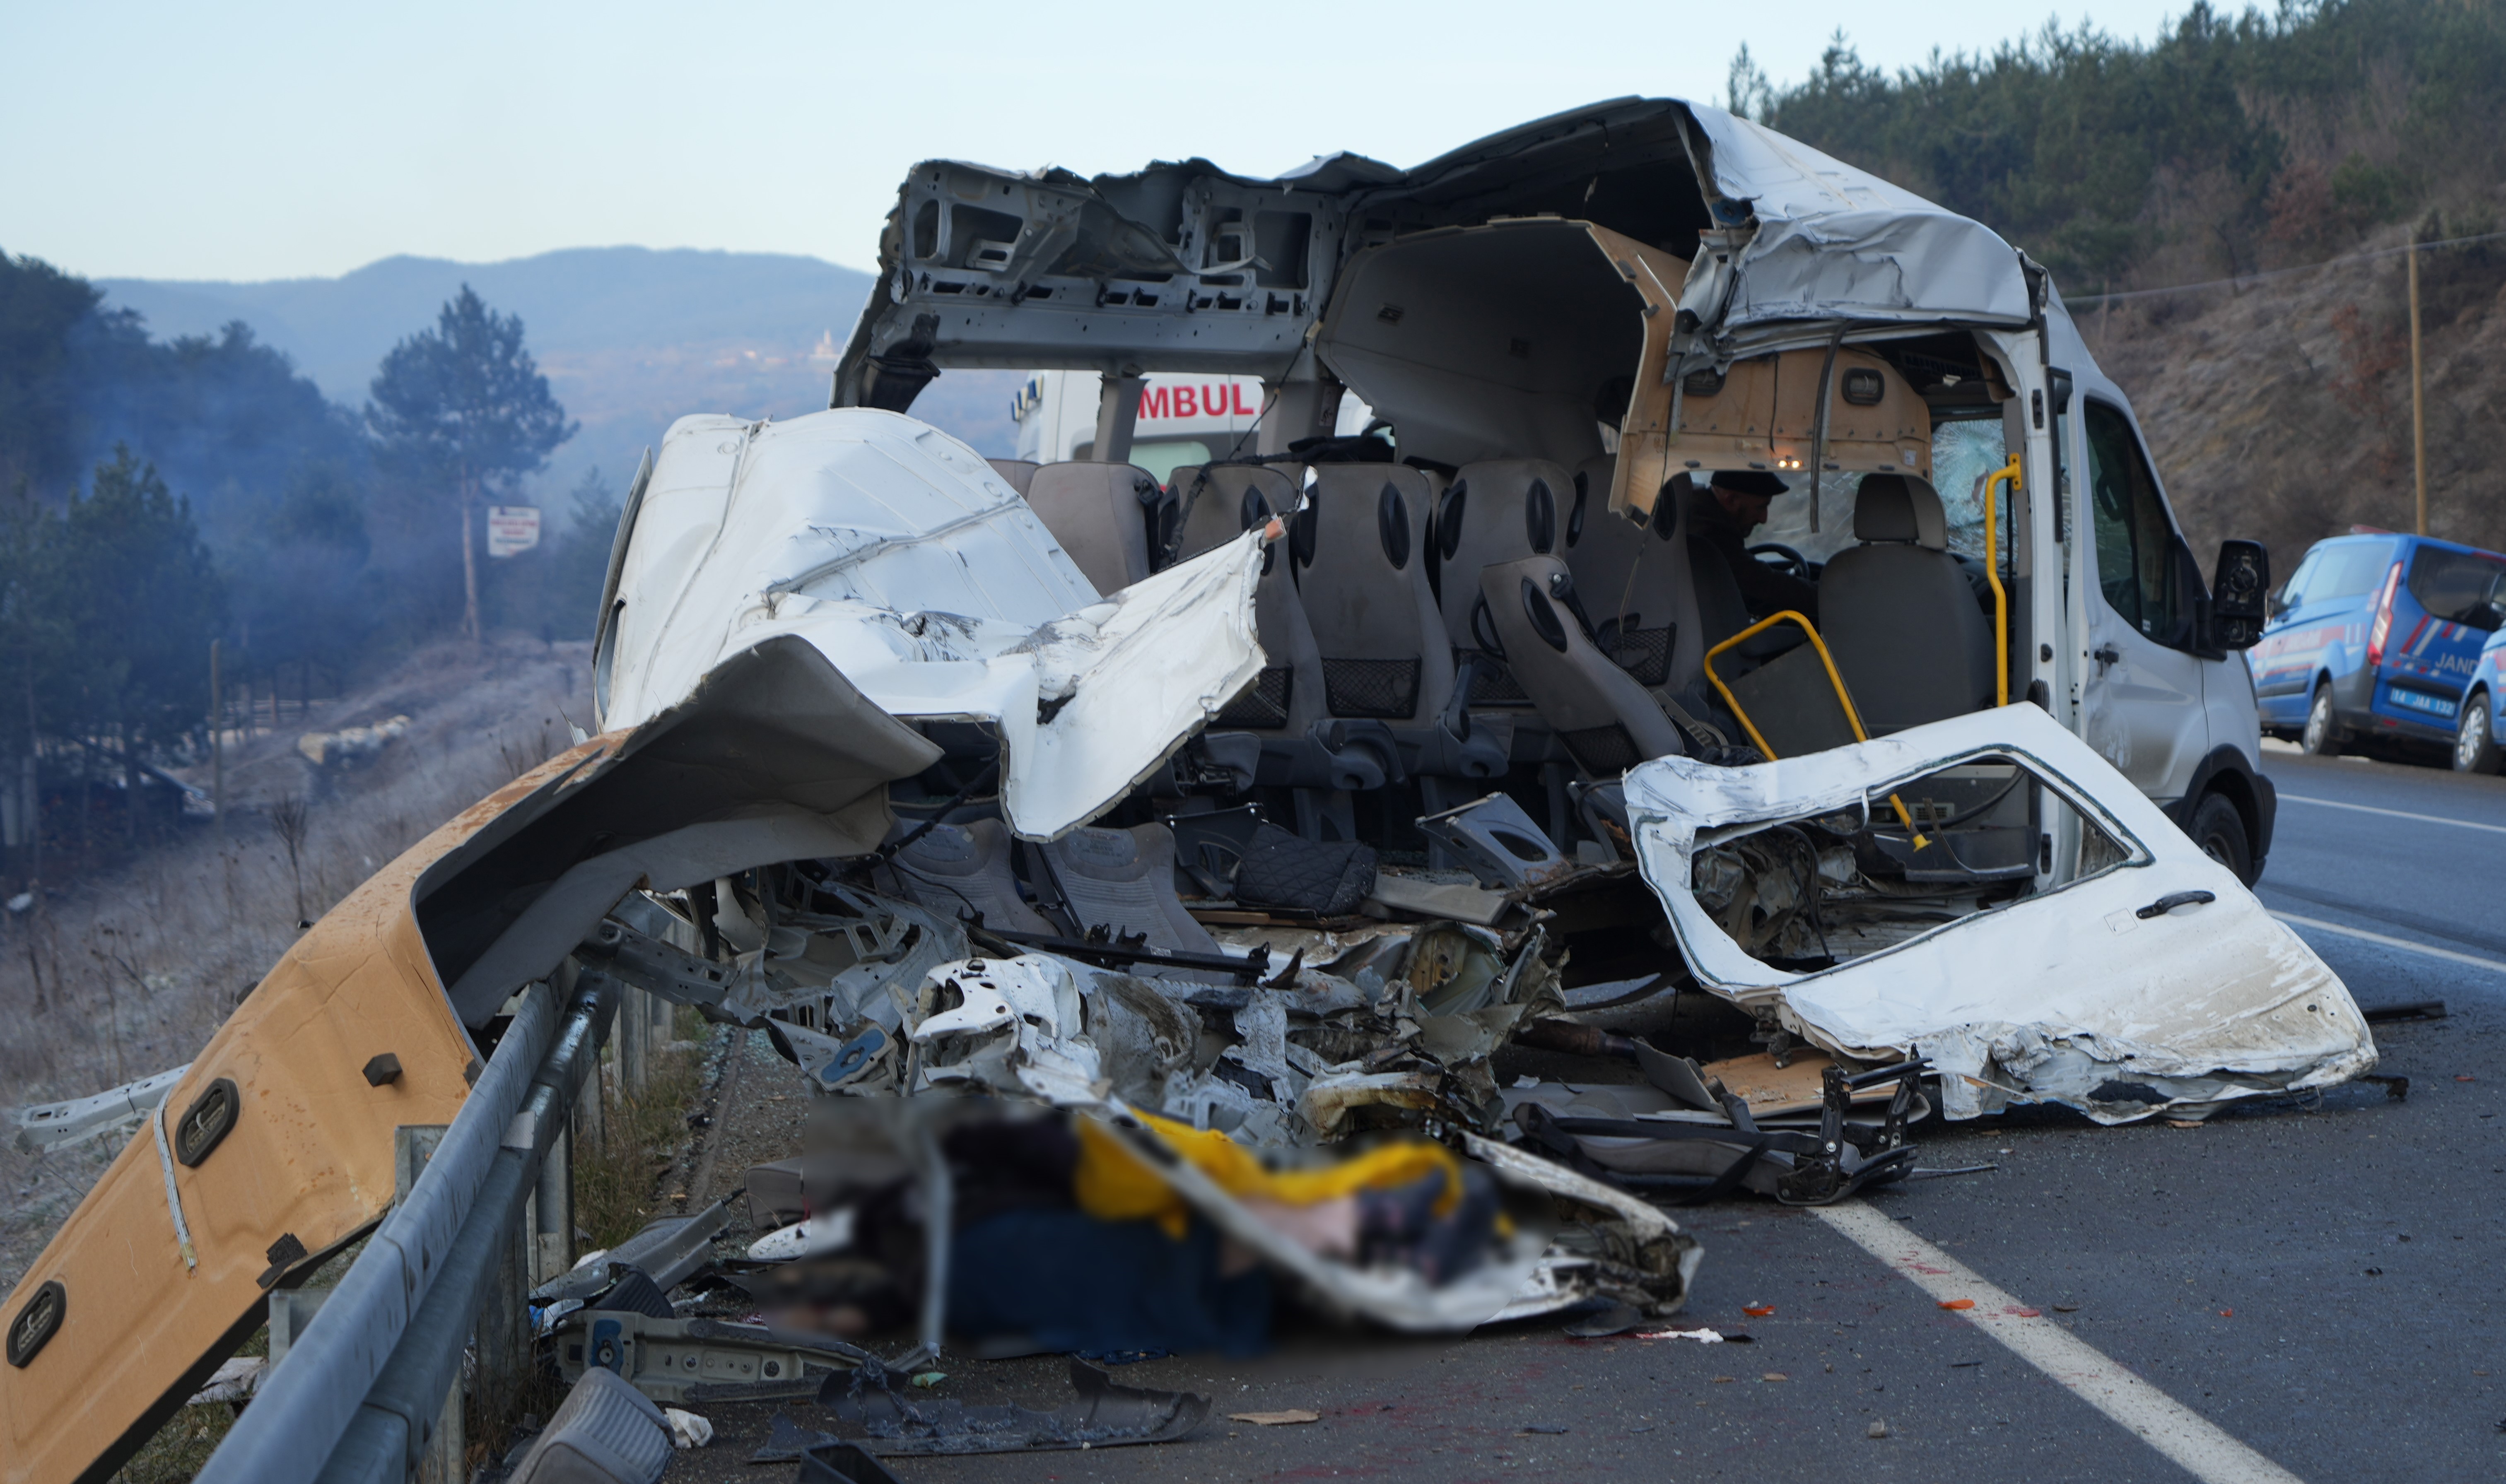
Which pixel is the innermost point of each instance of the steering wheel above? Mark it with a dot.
(1786, 558)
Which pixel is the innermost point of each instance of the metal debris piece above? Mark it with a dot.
(690, 1361)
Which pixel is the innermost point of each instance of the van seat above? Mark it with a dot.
(1019, 473)
(1123, 880)
(1215, 505)
(1099, 513)
(1497, 511)
(1382, 644)
(1898, 613)
(1636, 583)
(964, 871)
(1607, 721)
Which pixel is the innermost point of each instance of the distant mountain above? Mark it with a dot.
(631, 338)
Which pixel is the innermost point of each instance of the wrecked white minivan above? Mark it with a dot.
(1518, 583)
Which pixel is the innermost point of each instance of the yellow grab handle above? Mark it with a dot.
(1992, 575)
(1844, 696)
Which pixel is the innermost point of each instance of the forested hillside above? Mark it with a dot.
(2235, 149)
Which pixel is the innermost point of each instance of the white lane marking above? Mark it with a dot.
(2494, 965)
(2166, 1424)
(2424, 819)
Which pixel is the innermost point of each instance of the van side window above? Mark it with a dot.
(2294, 594)
(2135, 541)
(2458, 585)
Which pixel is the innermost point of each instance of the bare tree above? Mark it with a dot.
(288, 818)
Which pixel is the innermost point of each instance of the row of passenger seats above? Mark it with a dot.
(1418, 625)
(1382, 644)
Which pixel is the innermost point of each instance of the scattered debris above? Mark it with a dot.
(235, 1381)
(605, 1431)
(1282, 1419)
(687, 1428)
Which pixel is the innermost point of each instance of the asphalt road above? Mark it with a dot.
(2317, 1281)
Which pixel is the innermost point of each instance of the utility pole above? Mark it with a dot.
(2418, 402)
(217, 742)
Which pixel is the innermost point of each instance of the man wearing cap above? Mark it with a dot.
(1722, 514)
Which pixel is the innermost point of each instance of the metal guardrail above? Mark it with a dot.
(389, 1432)
(362, 1387)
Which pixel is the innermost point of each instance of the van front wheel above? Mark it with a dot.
(2475, 741)
(2220, 830)
(2322, 735)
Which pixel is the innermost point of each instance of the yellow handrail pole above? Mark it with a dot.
(1844, 696)
(1992, 575)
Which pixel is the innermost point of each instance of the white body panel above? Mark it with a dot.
(2056, 997)
(897, 552)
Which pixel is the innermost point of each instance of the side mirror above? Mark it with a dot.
(2240, 595)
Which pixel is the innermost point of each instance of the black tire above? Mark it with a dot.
(2475, 740)
(2220, 830)
(2321, 737)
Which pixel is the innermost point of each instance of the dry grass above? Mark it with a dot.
(618, 1175)
(125, 975)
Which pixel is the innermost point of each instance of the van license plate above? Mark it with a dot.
(2414, 700)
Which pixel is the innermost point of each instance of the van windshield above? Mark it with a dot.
(2458, 585)
(1963, 453)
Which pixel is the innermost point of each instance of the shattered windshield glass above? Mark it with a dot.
(1964, 455)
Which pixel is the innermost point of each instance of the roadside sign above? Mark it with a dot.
(512, 528)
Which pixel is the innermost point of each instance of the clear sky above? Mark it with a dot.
(261, 139)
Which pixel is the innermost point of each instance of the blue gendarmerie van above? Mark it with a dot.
(2378, 636)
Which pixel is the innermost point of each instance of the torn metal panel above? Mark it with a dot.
(690, 1361)
(1833, 242)
(2107, 965)
(1627, 1250)
(1188, 268)
(900, 556)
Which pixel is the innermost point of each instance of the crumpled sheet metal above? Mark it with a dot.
(896, 552)
(1303, 1060)
(1833, 242)
(2067, 997)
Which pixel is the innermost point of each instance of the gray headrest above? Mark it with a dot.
(1900, 506)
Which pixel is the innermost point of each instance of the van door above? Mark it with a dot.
(2143, 701)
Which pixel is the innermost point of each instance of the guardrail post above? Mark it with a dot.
(446, 1446)
(552, 1209)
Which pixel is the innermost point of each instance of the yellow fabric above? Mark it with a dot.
(1112, 1185)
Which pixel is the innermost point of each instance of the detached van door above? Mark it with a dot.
(2143, 700)
(1180, 268)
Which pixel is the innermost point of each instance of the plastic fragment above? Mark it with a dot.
(1282, 1419)
(687, 1428)
(1957, 1304)
(1756, 1311)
